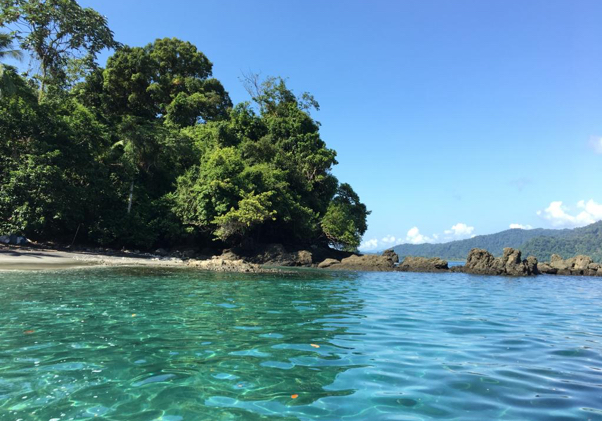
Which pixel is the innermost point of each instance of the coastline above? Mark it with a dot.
(275, 259)
(29, 258)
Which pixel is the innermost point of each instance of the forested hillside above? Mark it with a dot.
(586, 240)
(541, 243)
(149, 150)
(494, 243)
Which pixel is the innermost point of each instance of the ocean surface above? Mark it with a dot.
(177, 344)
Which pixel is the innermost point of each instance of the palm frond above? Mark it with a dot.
(6, 51)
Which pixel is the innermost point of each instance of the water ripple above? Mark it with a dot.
(175, 345)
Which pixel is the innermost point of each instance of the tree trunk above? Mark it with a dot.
(131, 195)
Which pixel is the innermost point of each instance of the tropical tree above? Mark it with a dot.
(168, 80)
(6, 72)
(344, 223)
(55, 32)
(265, 174)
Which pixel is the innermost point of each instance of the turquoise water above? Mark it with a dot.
(167, 344)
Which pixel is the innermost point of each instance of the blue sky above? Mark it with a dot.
(450, 119)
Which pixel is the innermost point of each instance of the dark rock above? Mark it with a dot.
(532, 265)
(229, 254)
(217, 264)
(423, 264)
(546, 269)
(390, 253)
(328, 263)
(581, 262)
(481, 262)
(367, 262)
(303, 258)
(578, 265)
(189, 254)
(161, 252)
(277, 255)
(557, 262)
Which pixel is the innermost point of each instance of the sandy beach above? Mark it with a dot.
(13, 258)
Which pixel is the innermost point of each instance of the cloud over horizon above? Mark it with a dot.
(520, 226)
(560, 216)
(460, 230)
(375, 244)
(414, 237)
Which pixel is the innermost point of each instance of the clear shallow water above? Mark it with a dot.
(165, 344)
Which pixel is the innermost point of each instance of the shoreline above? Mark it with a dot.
(30, 258)
(18, 258)
(275, 259)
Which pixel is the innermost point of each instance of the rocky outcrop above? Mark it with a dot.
(546, 269)
(328, 263)
(271, 254)
(578, 265)
(481, 262)
(161, 252)
(217, 264)
(423, 264)
(390, 253)
(366, 262)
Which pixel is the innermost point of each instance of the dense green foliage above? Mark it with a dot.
(7, 85)
(58, 34)
(586, 240)
(494, 243)
(150, 150)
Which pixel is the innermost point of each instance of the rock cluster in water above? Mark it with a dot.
(219, 264)
(578, 265)
(511, 263)
(481, 262)
(423, 264)
(478, 262)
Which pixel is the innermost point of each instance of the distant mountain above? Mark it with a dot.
(494, 243)
(586, 240)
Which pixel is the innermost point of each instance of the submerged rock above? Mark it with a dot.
(423, 264)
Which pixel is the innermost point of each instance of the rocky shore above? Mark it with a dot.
(266, 257)
(478, 262)
(511, 263)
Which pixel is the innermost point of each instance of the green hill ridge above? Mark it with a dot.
(541, 243)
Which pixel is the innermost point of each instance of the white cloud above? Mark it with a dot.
(369, 245)
(414, 237)
(375, 244)
(560, 216)
(596, 144)
(520, 226)
(460, 230)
